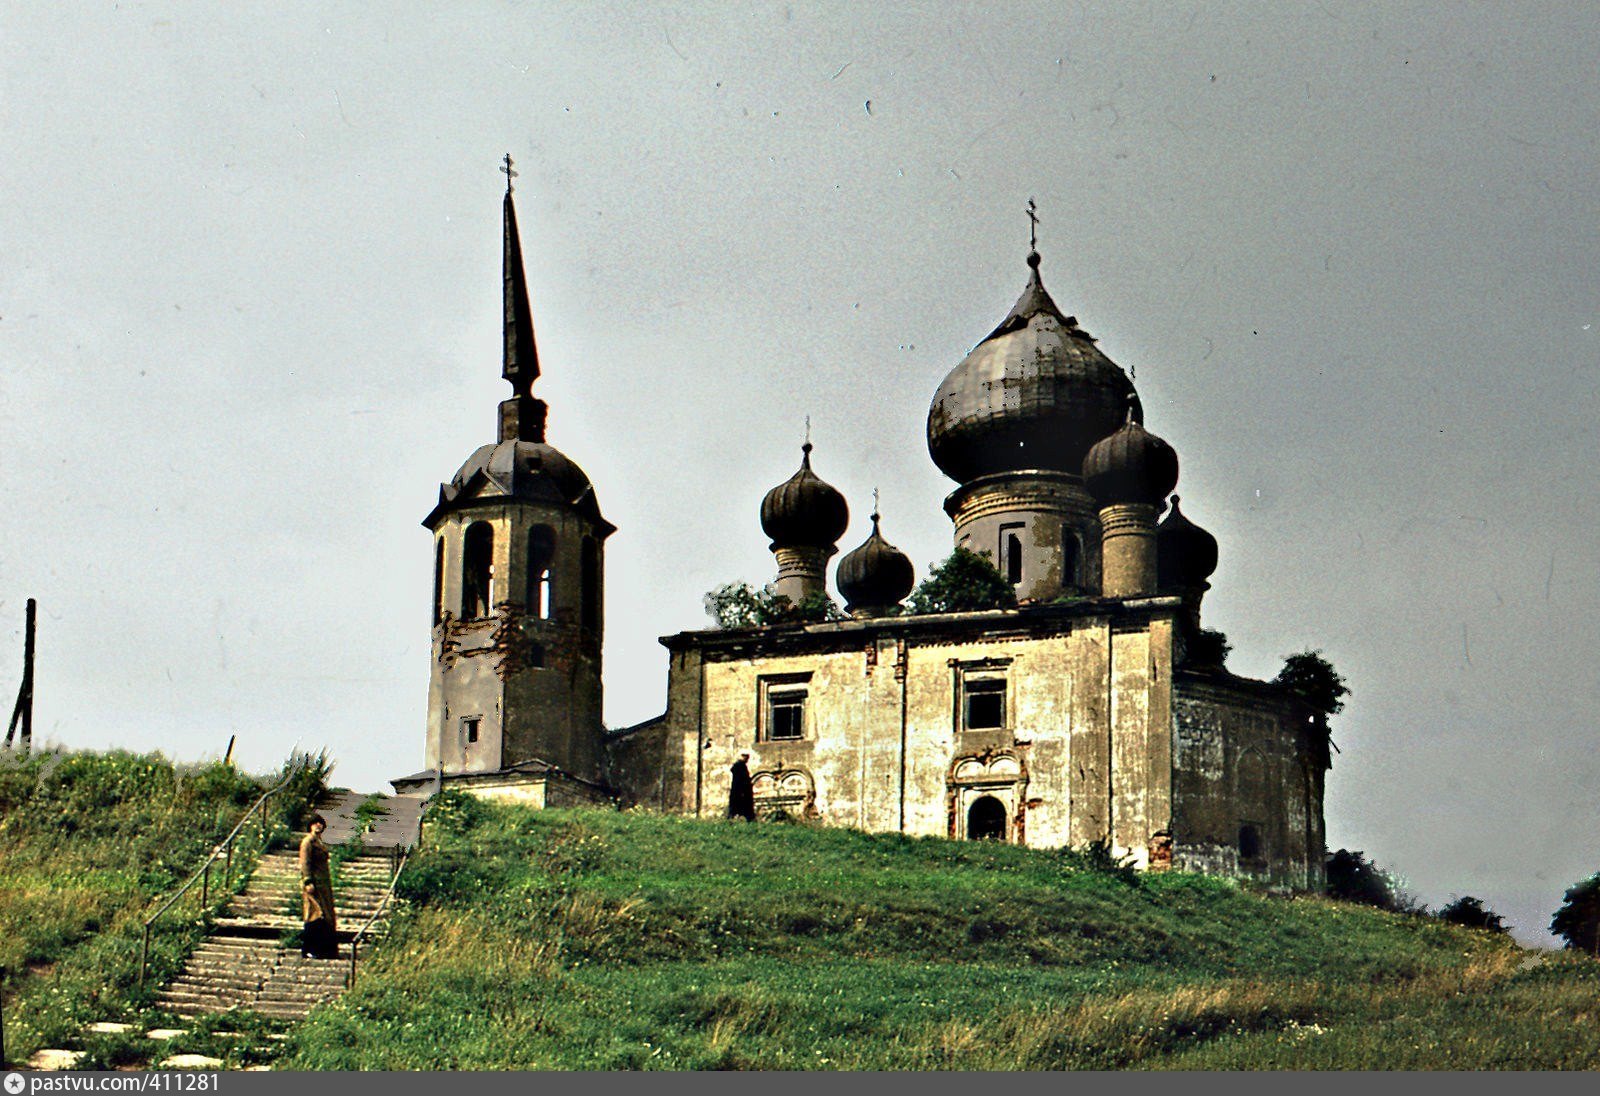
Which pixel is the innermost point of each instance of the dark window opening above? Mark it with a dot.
(438, 580)
(477, 571)
(984, 704)
(986, 819)
(1013, 556)
(1249, 842)
(541, 573)
(535, 656)
(786, 715)
(1069, 558)
(589, 571)
(469, 727)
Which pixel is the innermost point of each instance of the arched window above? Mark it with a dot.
(986, 819)
(1070, 551)
(590, 574)
(541, 571)
(477, 571)
(438, 580)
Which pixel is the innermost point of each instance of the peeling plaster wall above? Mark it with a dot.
(535, 682)
(1245, 757)
(1088, 725)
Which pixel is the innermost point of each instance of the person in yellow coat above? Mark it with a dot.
(319, 940)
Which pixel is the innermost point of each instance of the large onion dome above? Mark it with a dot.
(1186, 554)
(874, 576)
(1132, 465)
(1035, 394)
(803, 511)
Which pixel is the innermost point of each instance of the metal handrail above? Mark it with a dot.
(203, 872)
(388, 895)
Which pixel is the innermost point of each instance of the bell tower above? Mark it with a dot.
(518, 588)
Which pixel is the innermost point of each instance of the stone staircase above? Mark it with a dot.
(244, 961)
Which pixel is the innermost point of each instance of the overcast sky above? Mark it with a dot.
(249, 297)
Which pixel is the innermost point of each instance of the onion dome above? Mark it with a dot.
(1035, 394)
(803, 511)
(1132, 465)
(874, 576)
(1186, 554)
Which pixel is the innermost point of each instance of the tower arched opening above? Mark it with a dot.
(477, 571)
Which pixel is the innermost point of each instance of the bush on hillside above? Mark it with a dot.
(307, 774)
(964, 583)
(1097, 856)
(1351, 877)
(1470, 912)
(1578, 920)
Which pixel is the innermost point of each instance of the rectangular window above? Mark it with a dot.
(983, 703)
(782, 707)
(469, 727)
(786, 714)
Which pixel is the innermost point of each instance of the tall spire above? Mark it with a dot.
(522, 416)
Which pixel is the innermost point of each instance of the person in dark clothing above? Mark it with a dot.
(741, 796)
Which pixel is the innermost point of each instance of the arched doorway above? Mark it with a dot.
(986, 819)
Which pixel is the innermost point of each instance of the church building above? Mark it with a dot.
(1096, 710)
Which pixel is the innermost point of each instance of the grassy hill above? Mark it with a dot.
(594, 940)
(88, 844)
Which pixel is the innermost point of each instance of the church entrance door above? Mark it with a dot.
(986, 819)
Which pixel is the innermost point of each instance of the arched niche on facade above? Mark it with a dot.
(784, 793)
(1001, 776)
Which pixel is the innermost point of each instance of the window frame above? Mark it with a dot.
(792, 690)
(991, 675)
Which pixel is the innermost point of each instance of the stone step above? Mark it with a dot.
(220, 981)
(287, 900)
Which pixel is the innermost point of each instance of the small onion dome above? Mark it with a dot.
(1186, 554)
(875, 575)
(1132, 465)
(803, 511)
(1036, 393)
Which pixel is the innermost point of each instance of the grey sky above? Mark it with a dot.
(249, 264)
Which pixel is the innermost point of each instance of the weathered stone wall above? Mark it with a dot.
(1244, 759)
(534, 681)
(1044, 510)
(1087, 728)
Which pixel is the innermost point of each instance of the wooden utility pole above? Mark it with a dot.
(23, 712)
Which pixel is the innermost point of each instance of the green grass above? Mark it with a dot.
(597, 940)
(89, 844)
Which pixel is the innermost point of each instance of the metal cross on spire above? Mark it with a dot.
(509, 173)
(1033, 226)
(874, 507)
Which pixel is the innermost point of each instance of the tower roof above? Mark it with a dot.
(521, 464)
